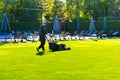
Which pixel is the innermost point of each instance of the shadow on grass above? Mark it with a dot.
(40, 53)
(61, 50)
(2, 43)
(93, 39)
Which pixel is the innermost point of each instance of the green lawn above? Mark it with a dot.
(87, 60)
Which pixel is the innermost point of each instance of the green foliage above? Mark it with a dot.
(114, 25)
(58, 9)
(1, 8)
(28, 12)
(35, 10)
(24, 25)
(28, 26)
(69, 26)
(84, 25)
(108, 18)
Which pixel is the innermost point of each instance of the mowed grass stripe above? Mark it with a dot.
(87, 60)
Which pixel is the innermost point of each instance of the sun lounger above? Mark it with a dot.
(35, 36)
(100, 34)
(17, 36)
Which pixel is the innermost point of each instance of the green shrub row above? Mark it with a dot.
(109, 18)
(28, 26)
(111, 25)
(69, 26)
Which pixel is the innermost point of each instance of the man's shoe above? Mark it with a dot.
(37, 49)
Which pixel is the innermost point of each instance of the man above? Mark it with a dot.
(42, 32)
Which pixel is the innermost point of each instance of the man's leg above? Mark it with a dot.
(39, 47)
(42, 45)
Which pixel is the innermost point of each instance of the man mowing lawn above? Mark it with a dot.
(42, 32)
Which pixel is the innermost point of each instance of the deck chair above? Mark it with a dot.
(6, 38)
(81, 34)
(100, 34)
(61, 36)
(85, 32)
(115, 34)
(17, 36)
(109, 34)
(62, 33)
(89, 33)
(93, 34)
(35, 36)
(65, 35)
(24, 37)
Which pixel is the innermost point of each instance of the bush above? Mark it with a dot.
(69, 26)
(28, 26)
(108, 18)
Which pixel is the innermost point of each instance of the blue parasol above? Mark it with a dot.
(104, 24)
(78, 25)
(92, 26)
(56, 25)
(5, 27)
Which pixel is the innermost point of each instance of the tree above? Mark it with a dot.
(28, 11)
(44, 6)
(117, 8)
(70, 7)
(49, 14)
(2, 4)
(14, 9)
(58, 9)
(36, 10)
(78, 7)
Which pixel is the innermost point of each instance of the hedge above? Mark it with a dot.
(69, 26)
(28, 26)
(111, 25)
